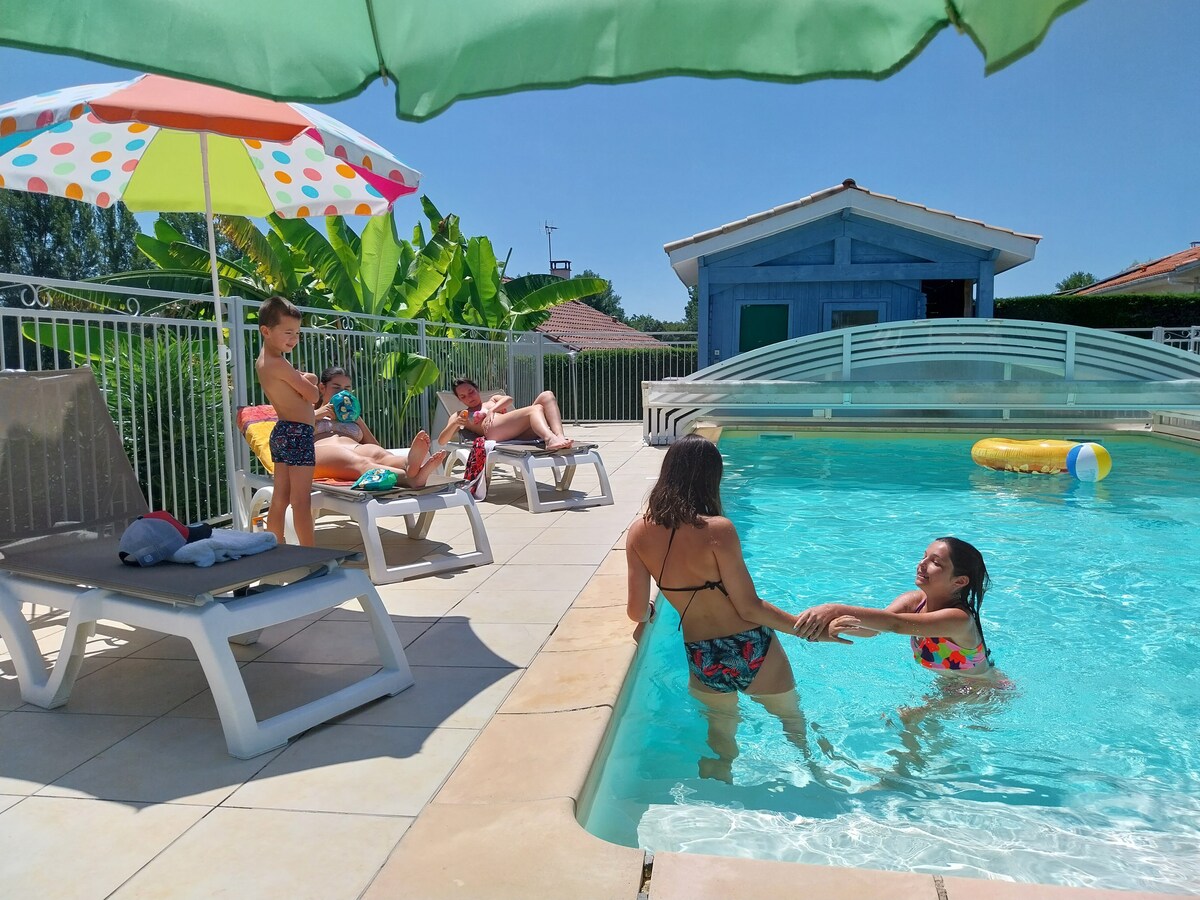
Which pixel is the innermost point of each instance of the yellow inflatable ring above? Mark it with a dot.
(1007, 455)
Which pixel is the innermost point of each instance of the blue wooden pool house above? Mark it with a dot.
(837, 258)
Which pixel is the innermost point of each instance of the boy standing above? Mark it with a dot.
(293, 394)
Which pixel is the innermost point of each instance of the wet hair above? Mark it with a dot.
(276, 308)
(689, 484)
(968, 561)
(458, 382)
(332, 372)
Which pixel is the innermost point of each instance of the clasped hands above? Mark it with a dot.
(825, 622)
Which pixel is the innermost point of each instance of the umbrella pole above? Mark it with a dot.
(235, 505)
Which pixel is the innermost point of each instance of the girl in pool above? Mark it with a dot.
(727, 629)
(941, 616)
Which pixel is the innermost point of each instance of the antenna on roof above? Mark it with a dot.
(549, 244)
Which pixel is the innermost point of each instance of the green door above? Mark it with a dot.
(762, 324)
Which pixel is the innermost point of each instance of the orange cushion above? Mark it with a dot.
(256, 423)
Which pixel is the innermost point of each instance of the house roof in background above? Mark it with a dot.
(1014, 247)
(1176, 263)
(579, 327)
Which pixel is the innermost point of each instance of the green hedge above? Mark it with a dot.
(608, 386)
(1105, 310)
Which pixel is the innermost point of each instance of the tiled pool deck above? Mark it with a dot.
(463, 786)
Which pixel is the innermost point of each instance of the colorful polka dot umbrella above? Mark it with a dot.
(159, 144)
(139, 141)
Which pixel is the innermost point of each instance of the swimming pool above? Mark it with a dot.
(1086, 772)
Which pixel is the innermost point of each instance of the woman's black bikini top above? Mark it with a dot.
(695, 589)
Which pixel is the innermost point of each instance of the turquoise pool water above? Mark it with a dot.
(1086, 772)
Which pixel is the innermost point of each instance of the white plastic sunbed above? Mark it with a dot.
(71, 492)
(526, 458)
(416, 506)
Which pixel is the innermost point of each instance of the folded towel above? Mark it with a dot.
(225, 543)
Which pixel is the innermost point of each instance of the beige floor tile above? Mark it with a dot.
(337, 642)
(171, 760)
(7, 800)
(36, 749)
(463, 579)
(613, 564)
(502, 645)
(502, 552)
(510, 531)
(516, 852)
(83, 849)
(10, 688)
(980, 889)
(618, 513)
(521, 517)
(363, 769)
(575, 554)
(443, 696)
(543, 755)
(604, 590)
(173, 647)
(109, 642)
(415, 604)
(486, 605)
(572, 680)
(533, 578)
(591, 534)
(591, 628)
(270, 853)
(694, 876)
(395, 595)
(276, 687)
(134, 687)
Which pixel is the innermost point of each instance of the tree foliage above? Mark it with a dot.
(52, 237)
(1075, 281)
(194, 230)
(689, 323)
(606, 301)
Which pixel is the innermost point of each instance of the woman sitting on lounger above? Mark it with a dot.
(496, 420)
(345, 450)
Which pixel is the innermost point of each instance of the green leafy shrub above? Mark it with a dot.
(1105, 310)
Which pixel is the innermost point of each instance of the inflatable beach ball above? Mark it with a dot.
(1089, 462)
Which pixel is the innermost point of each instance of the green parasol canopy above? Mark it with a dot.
(437, 53)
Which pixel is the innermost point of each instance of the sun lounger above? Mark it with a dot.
(526, 458)
(69, 494)
(416, 506)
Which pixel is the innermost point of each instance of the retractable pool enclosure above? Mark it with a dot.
(973, 371)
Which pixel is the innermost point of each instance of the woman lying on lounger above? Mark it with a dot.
(496, 420)
(345, 450)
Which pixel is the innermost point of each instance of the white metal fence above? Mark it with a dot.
(158, 368)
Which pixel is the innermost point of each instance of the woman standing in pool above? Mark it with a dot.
(727, 629)
(941, 616)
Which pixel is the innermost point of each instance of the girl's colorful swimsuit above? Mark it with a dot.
(942, 654)
(722, 664)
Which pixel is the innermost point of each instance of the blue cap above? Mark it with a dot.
(156, 537)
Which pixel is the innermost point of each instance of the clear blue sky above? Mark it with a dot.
(1092, 141)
